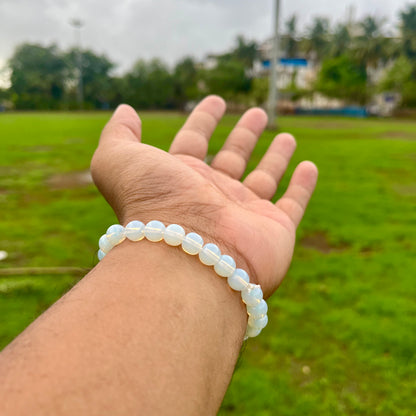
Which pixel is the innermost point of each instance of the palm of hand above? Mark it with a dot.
(146, 183)
(260, 236)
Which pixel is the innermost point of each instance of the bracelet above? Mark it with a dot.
(209, 254)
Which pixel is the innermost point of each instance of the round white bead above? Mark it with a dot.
(105, 244)
(115, 234)
(100, 254)
(259, 323)
(210, 254)
(252, 295)
(154, 230)
(226, 266)
(174, 235)
(258, 310)
(238, 280)
(192, 243)
(252, 332)
(134, 230)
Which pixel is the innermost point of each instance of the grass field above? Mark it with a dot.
(342, 333)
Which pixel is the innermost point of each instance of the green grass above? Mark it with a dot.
(342, 333)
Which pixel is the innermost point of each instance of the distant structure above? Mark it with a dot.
(300, 72)
(78, 24)
(274, 55)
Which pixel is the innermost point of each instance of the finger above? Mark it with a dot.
(192, 139)
(265, 178)
(124, 125)
(299, 191)
(233, 157)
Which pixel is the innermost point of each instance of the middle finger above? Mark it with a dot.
(233, 157)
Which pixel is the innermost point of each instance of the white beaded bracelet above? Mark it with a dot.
(209, 254)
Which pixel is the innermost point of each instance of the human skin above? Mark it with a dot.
(150, 330)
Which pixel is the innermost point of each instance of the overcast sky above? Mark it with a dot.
(126, 30)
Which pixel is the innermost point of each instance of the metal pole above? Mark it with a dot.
(78, 24)
(273, 94)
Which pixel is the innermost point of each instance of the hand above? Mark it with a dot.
(144, 183)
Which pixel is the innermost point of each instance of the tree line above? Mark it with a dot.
(347, 58)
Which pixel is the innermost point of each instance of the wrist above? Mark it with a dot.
(181, 280)
(191, 317)
(209, 254)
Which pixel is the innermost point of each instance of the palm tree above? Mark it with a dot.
(408, 32)
(340, 41)
(317, 39)
(289, 39)
(371, 46)
(245, 51)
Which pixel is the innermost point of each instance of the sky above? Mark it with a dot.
(126, 30)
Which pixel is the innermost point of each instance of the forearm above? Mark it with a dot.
(149, 331)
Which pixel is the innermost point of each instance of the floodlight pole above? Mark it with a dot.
(273, 93)
(77, 24)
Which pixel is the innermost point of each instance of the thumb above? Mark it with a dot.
(124, 125)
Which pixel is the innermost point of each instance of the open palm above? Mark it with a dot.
(143, 182)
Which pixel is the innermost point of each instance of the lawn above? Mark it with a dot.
(342, 333)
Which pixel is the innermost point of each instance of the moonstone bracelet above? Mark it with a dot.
(209, 254)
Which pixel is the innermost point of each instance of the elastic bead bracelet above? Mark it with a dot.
(209, 254)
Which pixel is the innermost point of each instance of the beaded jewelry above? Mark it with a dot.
(209, 254)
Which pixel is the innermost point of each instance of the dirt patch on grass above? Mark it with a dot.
(38, 149)
(332, 125)
(398, 135)
(319, 241)
(70, 180)
(406, 190)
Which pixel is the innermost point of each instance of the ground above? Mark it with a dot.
(342, 333)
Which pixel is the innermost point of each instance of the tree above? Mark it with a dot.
(317, 38)
(290, 44)
(227, 79)
(402, 76)
(4, 96)
(400, 79)
(185, 79)
(340, 41)
(149, 85)
(371, 46)
(259, 91)
(343, 77)
(37, 77)
(96, 78)
(408, 31)
(245, 52)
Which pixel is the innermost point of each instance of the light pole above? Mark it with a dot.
(273, 94)
(77, 24)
